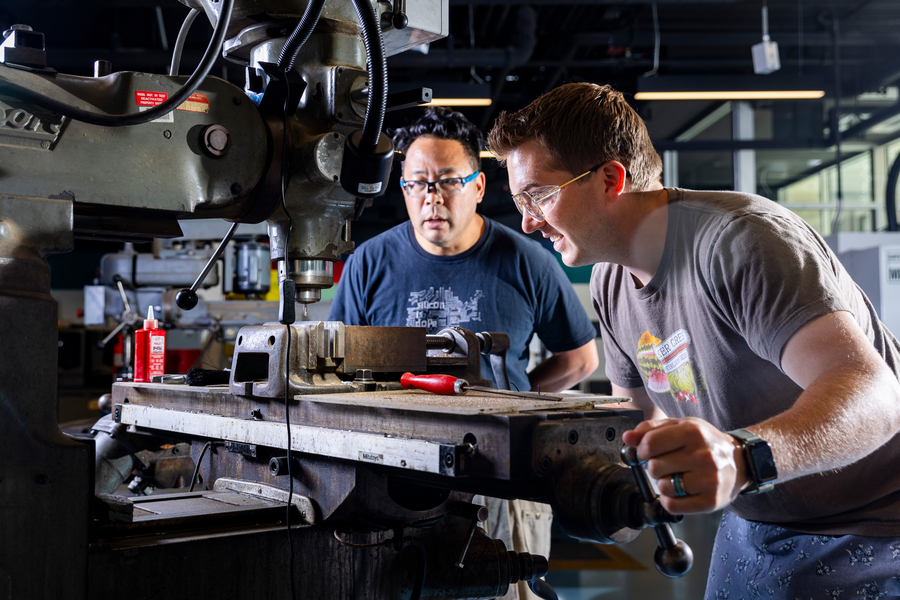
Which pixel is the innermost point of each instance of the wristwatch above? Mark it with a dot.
(760, 462)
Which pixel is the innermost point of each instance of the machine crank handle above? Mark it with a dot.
(673, 557)
(476, 514)
(102, 343)
(118, 280)
(186, 299)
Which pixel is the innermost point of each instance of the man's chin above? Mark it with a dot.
(435, 236)
(571, 260)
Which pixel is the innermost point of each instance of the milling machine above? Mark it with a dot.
(321, 477)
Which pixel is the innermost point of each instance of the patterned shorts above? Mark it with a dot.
(755, 560)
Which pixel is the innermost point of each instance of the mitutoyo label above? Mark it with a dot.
(371, 457)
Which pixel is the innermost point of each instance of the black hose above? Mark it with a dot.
(179, 41)
(890, 197)
(378, 79)
(160, 110)
(300, 34)
(206, 447)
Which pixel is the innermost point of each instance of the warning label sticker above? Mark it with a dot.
(197, 103)
(150, 98)
(147, 100)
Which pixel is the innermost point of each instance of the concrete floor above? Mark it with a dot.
(628, 571)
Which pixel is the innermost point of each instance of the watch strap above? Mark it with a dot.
(756, 449)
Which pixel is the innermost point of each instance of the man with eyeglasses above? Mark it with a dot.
(450, 266)
(758, 362)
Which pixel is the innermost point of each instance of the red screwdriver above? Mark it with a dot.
(448, 385)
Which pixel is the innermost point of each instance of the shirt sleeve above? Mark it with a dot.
(349, 304)
(769, 276)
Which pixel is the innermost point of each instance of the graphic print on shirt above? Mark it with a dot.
(438, 308)
(666, 364)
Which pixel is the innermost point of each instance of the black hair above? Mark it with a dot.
(443, 123)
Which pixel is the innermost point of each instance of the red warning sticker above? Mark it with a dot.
(150, 98)
(197, 103)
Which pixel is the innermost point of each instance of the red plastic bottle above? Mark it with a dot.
(149, 350)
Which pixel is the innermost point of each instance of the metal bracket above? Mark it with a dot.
(303, 504)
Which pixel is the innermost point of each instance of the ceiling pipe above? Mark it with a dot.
(578, 2)
(526, 25)
(861, 128)
(735, 39)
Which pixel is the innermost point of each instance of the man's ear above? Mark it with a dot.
(479, 186)
(613, 175)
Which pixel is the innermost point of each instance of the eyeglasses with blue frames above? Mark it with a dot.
(445, 187)
(530, 201)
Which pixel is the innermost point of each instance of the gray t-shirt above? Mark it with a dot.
(738, 277)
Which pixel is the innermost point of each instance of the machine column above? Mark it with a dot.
(45, 476)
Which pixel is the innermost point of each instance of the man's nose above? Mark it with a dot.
(529, 223)
(433, 197)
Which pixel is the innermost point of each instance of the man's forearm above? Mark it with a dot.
(564, 369)
(850, 405)
(843, 416)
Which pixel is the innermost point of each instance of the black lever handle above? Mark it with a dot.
(186, 299)
(397, 101)
(673, 557)
(496, 345)
(398, 17)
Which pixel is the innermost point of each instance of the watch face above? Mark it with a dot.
(762, 461)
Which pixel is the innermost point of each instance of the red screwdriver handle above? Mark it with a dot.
(446, 385)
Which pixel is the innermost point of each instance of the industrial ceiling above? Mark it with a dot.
(513, 51)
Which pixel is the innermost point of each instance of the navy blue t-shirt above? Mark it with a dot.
(506, 282)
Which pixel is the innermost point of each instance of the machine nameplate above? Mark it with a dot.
(404, 453)
(371, 457)
(19, 127)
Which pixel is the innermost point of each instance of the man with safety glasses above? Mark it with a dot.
(768, 382)
(450, 266)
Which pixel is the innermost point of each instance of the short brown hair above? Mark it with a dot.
(580, 125)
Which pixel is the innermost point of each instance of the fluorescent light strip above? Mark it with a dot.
(759, 95)
(487, 154)
(461, 101)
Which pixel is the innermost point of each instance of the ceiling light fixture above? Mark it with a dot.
(750, 87)
(458, 94)
(460, 101)
(733, 95)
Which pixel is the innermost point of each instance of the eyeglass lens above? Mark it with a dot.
(446, 187)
